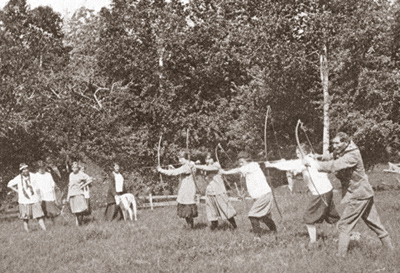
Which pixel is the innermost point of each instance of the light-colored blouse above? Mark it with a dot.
(27, 188)
(119, 182)
(46, 186)
(317, 182)
(75, 182)
(256, 182)
(216, 183)
(187, 190)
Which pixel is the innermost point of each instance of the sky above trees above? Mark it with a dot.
(65, 7)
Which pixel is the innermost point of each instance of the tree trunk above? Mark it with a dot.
(325, 84)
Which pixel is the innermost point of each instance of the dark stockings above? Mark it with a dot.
(233, 222)
(214, 225)
(190, 222)
(79, 219)
(269, 222)
(255, 223)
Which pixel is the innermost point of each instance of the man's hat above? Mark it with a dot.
(23, 166)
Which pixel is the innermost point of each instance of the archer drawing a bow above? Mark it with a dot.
(300, 124)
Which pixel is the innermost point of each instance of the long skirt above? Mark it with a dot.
(78, 203)
(113, 213)
(218, 207)
(187, 210)
(50, 209)
(30, 211)
(262, 206)
(89, 208)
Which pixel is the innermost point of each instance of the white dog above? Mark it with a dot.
(127, 202)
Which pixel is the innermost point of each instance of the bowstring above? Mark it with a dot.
(276, 138)
(230, 159)
(308, 139)
(303, 156)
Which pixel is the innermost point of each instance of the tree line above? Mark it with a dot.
(108, 84)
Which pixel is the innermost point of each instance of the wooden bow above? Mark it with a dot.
(299, 123)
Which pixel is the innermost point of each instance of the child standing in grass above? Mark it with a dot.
(76, 195)
(321, 207)
(28, 197)
(259, 190)
(187, 207)
(47, 191)
(217, 203)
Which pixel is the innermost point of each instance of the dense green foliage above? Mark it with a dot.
(109, 84)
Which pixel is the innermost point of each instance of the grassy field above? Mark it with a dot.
(159, 242)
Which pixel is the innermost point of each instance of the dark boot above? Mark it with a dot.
(269, 222)
(190, 222)
(214, 225)
(255, 223)
(79, 219)
(232, 222)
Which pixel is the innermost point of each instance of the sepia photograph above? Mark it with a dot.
(199, 136)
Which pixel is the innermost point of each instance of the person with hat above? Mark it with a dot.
(259, 190)
(28, 198)
(76, 196)
(46, 186)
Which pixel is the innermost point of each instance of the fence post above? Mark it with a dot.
(151, 201)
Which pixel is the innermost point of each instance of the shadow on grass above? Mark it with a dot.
(320, 236)
(69, 219)
(302, 234)
(90, 219)
(353, 245)
(225, 226)
(200, 226)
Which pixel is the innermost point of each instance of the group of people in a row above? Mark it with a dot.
(345, 161)
(36, 192)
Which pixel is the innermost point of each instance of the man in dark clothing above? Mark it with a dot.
(116, 187)
(357, 193)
